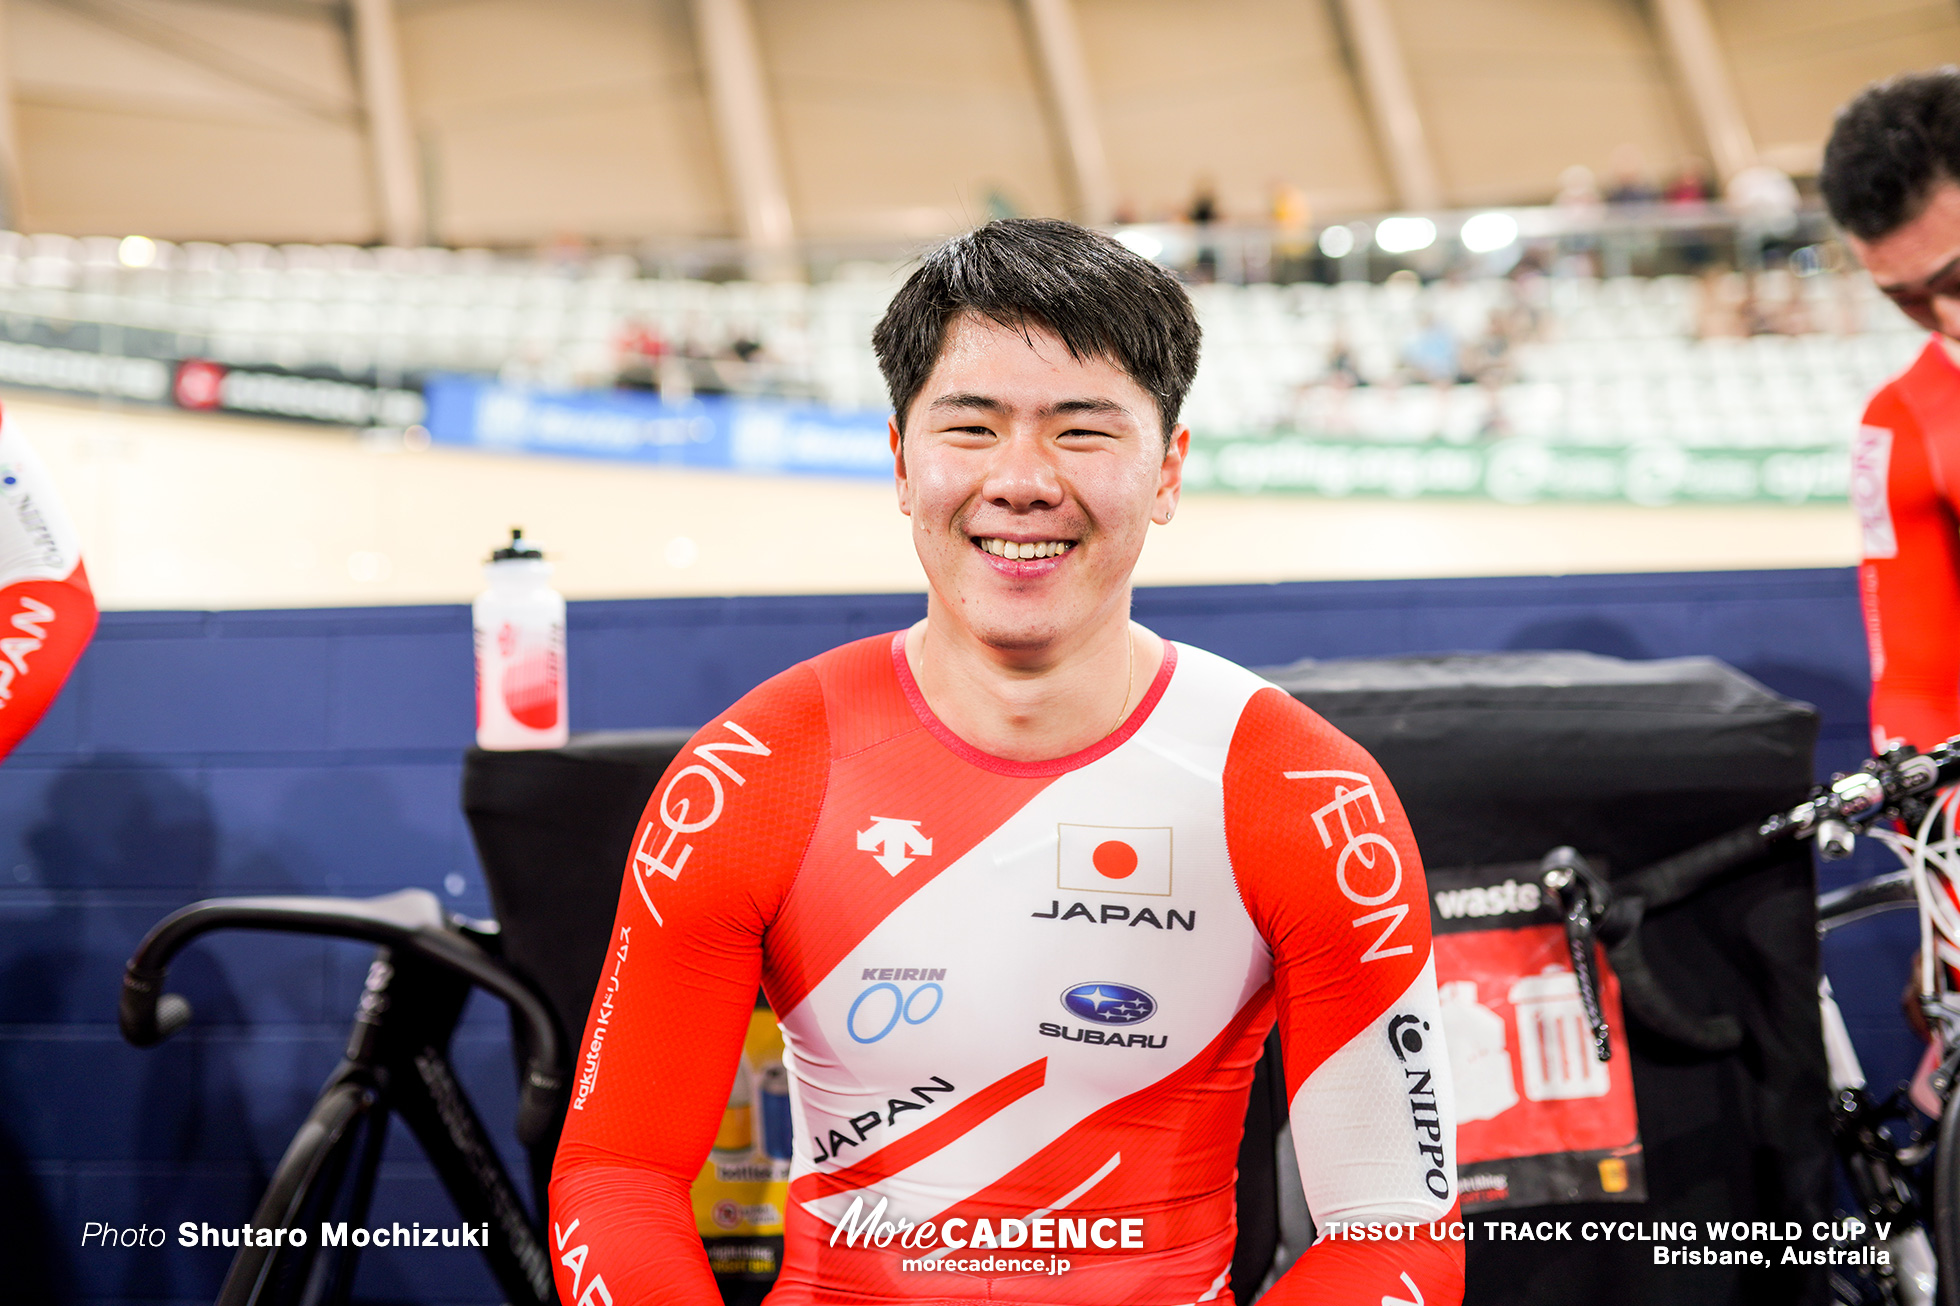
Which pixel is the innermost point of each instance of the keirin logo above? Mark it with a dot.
(677, 807)
(1365, 849)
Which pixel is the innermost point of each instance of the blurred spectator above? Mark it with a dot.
(1292, 232)
(1631, 183)
(1490, 364)
(639, 350)
(566, 253)
(1578, 191)
(1693, 183)
(1763, 193)
(1721, 305)
(1579, 203)
(1202, 214)
(1736, 304)
(1343, 371)
(1433, 354)
(1204, 203)
(1488, 360)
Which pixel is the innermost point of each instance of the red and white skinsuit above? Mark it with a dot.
(1905, 476)
(1011, 990)
(47, 611)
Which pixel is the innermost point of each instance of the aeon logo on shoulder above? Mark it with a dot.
(1109, 1004)
(1368, 871)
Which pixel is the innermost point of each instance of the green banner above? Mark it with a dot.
(1519, 471)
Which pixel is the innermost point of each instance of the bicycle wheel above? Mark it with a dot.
(325, 1178)
(1946, 1207)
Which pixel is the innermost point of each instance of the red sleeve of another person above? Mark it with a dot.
(1910, 578)
(712, 858)
(1330, 874)
(47, 610)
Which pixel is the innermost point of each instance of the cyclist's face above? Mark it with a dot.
(1015, 447)
(1918, 265)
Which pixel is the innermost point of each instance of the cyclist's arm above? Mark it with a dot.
(713, 856)
(47, 610)
(1910, 579)
(1330, 874)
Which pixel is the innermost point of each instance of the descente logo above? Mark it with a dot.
(1503, 899)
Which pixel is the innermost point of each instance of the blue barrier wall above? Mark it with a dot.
(319, 751)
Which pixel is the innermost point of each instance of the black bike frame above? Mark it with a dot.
(396, 1062)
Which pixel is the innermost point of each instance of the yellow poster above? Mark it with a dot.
(743, 1187)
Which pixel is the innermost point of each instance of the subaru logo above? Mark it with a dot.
(1109, 1004)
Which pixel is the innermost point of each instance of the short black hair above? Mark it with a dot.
(1890, 148)
(1099, 298)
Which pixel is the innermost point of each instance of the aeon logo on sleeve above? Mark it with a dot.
(33, 619)
(691, 803)
(893, 843)
(1114, 859)
(1109, 1004)
(1368, 871)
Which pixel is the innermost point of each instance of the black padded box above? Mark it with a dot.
(1501, 757)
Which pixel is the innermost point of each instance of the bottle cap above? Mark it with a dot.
(517, 548)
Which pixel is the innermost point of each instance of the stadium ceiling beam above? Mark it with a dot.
(1391, 100)
(1065, 72)
(391, 141)
(1702, 73)
(738, 97)
(10, 185)
(145, 29)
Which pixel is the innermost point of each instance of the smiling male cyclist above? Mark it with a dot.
(1026, 885)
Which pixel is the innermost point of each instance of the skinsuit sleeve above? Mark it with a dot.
(47, 611)
(1330, 874)
(713, 857)
(1910, 578)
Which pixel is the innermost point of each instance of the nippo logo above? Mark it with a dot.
(1114, 859)
(1109, 1004)
(1405, 1036)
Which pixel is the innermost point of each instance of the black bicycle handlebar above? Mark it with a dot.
(410, 919)
(1897, 784)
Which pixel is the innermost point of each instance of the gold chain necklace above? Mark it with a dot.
(1129, 682)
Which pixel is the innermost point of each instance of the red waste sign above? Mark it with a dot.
(1539, 1118)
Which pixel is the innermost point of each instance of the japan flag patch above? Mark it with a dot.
(1115, 859)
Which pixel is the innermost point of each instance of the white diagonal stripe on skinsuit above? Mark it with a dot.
(1064, 1201)
(986, 920)
(1217, 1285)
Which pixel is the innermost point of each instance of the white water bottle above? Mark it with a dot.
(520, 652)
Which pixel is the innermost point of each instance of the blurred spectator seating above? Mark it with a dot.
(1775, 359)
